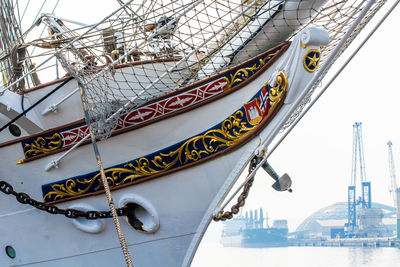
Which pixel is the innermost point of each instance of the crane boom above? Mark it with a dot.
(392, 172)
(358, 155)
(395, 190)
(354, 158)
(361, 153)
(357, 158)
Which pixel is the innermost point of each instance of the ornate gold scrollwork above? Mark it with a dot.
(277, 90)
(212, 141)
(243, 74)
(227, 134)
(43, 145)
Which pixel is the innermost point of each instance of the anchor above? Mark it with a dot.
(282, 183)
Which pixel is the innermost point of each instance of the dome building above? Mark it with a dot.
(329, 222)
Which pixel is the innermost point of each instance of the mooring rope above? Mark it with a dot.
(110, 200)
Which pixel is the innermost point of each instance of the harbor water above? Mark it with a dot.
(214, 254)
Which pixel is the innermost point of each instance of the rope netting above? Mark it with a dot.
(147, 49)
(336, 17)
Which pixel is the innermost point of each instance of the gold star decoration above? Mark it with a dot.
(313, 61)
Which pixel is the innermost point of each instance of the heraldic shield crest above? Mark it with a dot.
(253, 112)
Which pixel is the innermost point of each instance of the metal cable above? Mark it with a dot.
(35, 104)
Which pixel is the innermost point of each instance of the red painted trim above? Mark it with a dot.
(20, 139)
(237, 145)
(284, 46)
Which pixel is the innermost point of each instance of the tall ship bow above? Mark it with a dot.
(161, 106)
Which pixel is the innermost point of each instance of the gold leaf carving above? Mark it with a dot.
(194, 149)
(229, 132)
(43, 145)
(243, 74)
(277, 90)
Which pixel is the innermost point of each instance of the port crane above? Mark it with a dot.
(365, 199)
(394, 189)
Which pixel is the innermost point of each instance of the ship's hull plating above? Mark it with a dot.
(178, 200)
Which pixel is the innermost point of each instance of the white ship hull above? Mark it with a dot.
(179, 200)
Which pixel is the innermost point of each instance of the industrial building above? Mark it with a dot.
(359, 217)
(330, 221)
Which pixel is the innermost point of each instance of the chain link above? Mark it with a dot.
(227, 215)
(24, 198)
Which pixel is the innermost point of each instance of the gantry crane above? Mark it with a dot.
(365, 199)
(394, 189)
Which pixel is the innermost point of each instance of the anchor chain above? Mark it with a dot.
(24, 198)
(227, 215)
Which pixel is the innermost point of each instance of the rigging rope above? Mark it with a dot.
(106, 186)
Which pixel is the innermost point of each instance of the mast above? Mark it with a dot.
(13, 56)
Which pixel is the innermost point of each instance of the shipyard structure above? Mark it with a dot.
(331, 222)
(358, 221)
(253, 231)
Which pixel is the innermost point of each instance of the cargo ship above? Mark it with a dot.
(252, 231)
